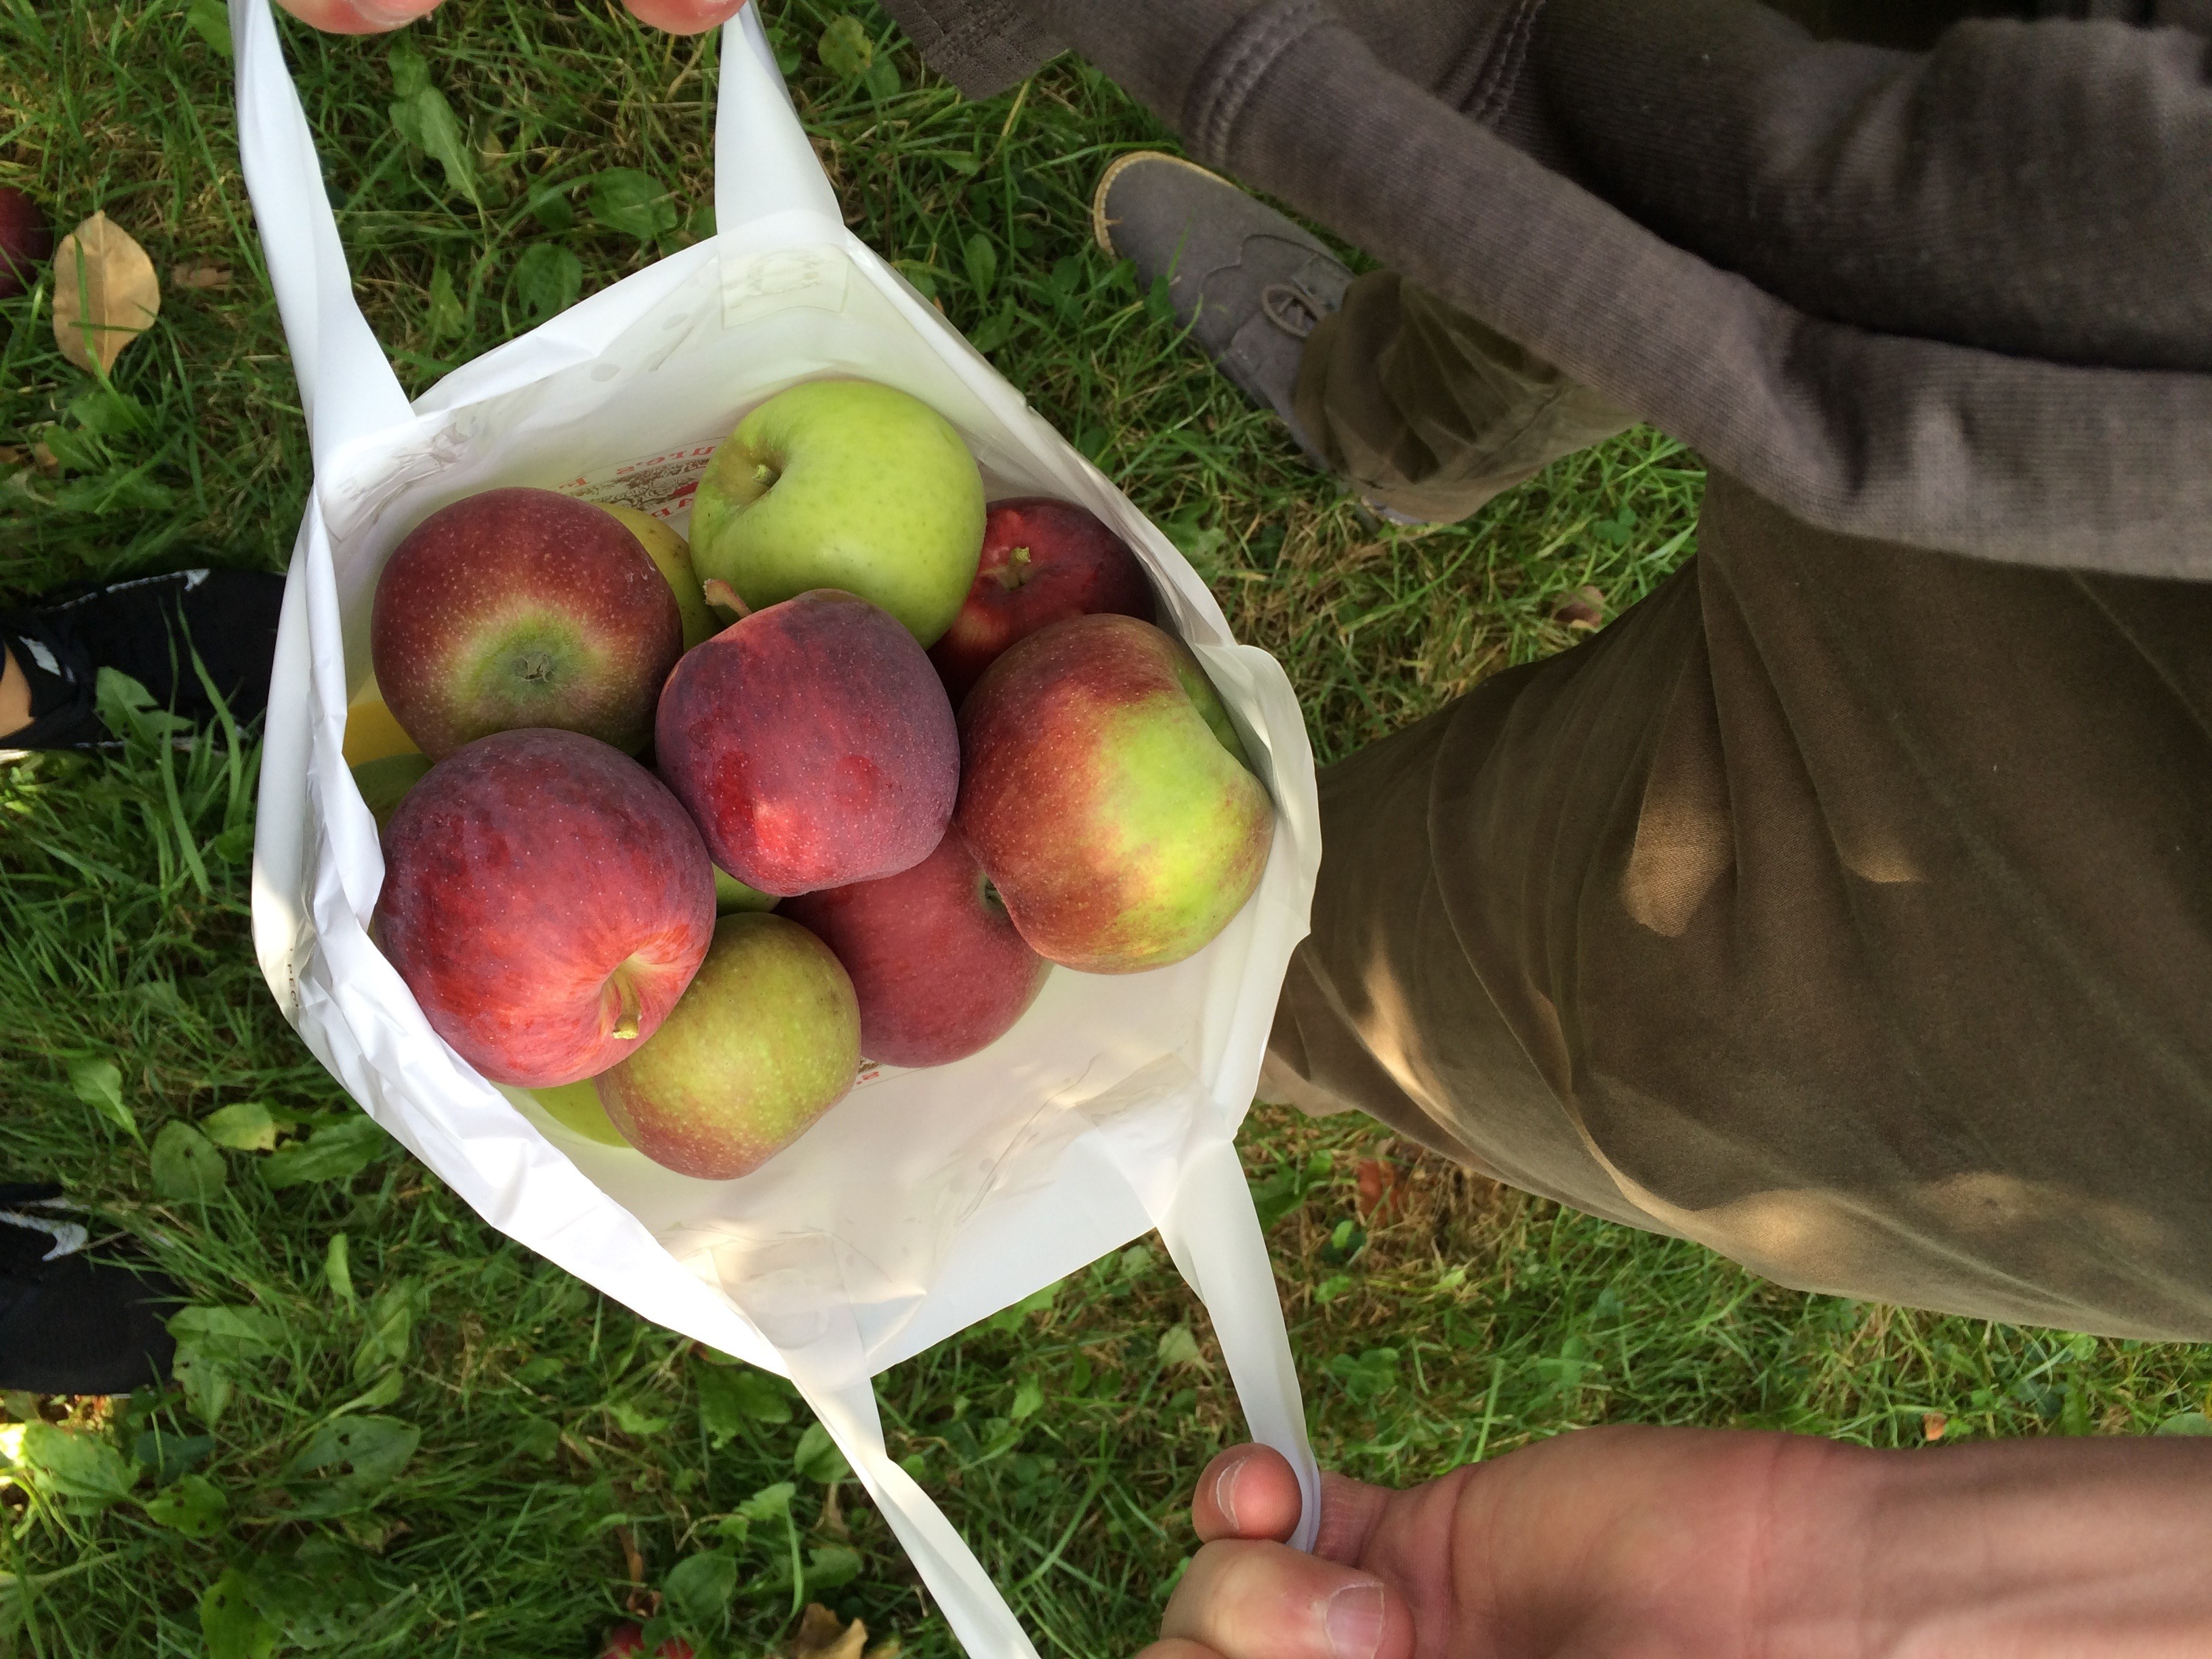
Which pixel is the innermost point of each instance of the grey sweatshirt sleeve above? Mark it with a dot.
(1956, 299)
(981, 46)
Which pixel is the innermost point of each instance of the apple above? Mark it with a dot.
(812, 744)
(1042, 560)
(671, 554)
(626, 1639)
(384, 783)
(767, 1039)
(576, 1106)
(843, 484)
(731, 894)
(547, 901)
(1108, 795)
(518, 608)
(26, 242)
(936, 965)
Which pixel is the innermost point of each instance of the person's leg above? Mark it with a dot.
(1845, 906)
(1425, 412)
(146, 627)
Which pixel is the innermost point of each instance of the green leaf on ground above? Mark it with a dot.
(831, 1566)
(99, 1085)
(210, 21)
(207, 1386)
(227, 1334)
(700, 1588)
(229, 1625)
(632, 202)
(817, 1457)
(194, 1507)
(338, 1151)
(186, 1164)
(245, 1127)
(168, 1456)
(392, 1315)
(316, 1597)
(2187, 1423)
(1177, 1347)
(547, 280)
(845, 48)
(981, 259)
(373, 1450)
(730, 1396)
(426, 120)
(77, 1464)
(445, 318)
(1028, 1398)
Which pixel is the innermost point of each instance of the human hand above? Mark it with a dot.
(1644, 1541)
(380, 16)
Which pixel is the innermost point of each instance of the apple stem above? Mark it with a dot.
(765, 475)
(626, 1028)
(1016, 570)
(719, 592)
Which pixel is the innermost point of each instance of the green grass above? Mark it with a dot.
(570, 1458)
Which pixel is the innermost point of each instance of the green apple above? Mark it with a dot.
(846, 484)
(766, 1040)
(731, 894)
(576, 1106)
(674, 555)
(384, 783)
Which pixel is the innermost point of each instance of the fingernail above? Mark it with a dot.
(1354, 1621)
(1225, 1484)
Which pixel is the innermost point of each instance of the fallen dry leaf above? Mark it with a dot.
(821, 1636)
(1933, 1425)
(200, 276)
(106, 294)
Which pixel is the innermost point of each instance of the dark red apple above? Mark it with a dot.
(1043, 562)
(26, 242)
(812, 744)
(1108, 795)
(547, 901)
(518, 608)
(626, 1639)
(938, 967)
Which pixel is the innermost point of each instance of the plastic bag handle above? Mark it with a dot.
(333, 350)
(767, 179)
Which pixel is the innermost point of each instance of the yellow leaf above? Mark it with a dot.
(821, 1637)
(106, 294)
(200, 276)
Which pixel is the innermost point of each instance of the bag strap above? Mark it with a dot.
(765, 168)
(346, 387)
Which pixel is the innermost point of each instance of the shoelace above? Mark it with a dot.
(69, 1236)
(1290, 307)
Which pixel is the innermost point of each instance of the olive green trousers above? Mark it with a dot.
(1843, 906)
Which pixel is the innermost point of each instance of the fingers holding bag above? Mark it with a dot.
(381, 17)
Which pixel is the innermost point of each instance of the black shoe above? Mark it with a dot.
(148, 629)
(1249, 284)
(68, 1324)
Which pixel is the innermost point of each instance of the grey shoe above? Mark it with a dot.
(1249, 284)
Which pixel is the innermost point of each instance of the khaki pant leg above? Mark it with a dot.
(1430, 413)
(1844, 906)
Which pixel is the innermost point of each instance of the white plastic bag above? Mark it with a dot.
(927, 1200)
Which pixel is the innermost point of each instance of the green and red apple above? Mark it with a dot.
(547, 901)
(1107, 795)
(846, 484)
(671, 554)
(520, 608)
(767, 1039)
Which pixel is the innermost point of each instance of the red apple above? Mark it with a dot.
(26, 242)
(519, 608)
(812, 744)
(1043, 562)
(938, 967)
(1107, 796)
(546, 901)
(626, 1639)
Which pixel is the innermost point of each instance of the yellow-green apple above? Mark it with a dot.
(938, 967)
(576, 1106)
(1107, 795)
(547, 901)
(767, 1039)
(1043, 561)
(671, 554)
(843, 484)
(517, 608)
(384, 783)
(731, 894)
(812, 744)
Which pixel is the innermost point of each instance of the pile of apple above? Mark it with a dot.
(816, 858)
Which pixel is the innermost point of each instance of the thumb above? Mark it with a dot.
(359, 17)
(1266, 1601)
(684, 16)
